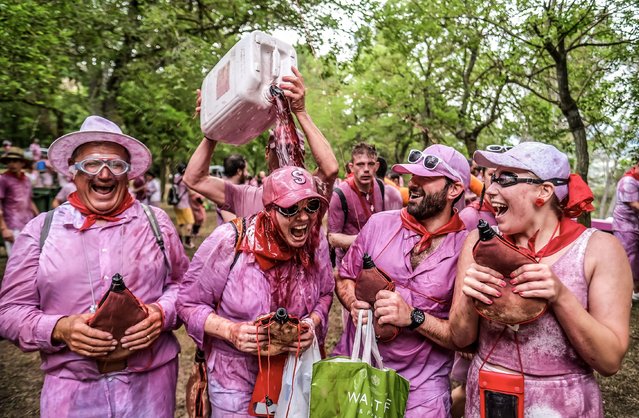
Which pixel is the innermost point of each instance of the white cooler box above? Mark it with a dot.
(236, 102)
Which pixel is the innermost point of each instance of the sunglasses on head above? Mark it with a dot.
(499, 148)
(93, 166)
(507, 179)
(430, 162)
(312, 206)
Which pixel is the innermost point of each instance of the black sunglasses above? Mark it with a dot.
(311, 207)
(507, 179)
(499, 148)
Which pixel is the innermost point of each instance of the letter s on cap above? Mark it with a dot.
(298, 177)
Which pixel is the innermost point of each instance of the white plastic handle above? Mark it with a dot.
(357, 342)
(276, 64)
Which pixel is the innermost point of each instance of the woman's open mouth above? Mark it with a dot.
(299, 232)
(500, 208)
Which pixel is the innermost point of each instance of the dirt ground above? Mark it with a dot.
(21, 379)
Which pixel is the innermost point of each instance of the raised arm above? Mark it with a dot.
(327, 166)
(197, 175)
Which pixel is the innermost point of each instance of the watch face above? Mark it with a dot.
(417, 317)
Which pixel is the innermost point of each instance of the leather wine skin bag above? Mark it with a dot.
(493, 251)
(370, 281)
(118, 310)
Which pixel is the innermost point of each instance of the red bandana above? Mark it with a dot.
(569, 231)
(455, 224)
(633, 172)
(270, 248)
(579, 198)
(19, 175)
(91, 217)
(362, 200)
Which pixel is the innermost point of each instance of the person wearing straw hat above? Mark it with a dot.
(582, 273)
(417, 247)
(15, 196)
(54, 281)
(282, 262)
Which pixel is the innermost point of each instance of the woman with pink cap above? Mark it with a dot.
(581, 273)
(281, 261)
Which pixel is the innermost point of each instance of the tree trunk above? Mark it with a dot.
(570, 110)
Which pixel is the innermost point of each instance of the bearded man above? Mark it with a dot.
(418, 248)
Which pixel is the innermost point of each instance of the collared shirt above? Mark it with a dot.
(15, 195)
(39, 288)
(241, 294)
(624, 217)
(356, 217)
(429, 287)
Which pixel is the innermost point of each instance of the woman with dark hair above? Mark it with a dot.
(281, 261)
(582, 275)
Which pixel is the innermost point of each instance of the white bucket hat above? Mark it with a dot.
(99, 129)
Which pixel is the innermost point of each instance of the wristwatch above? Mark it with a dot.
(417, 318)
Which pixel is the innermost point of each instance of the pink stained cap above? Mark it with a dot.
(543, 160)
(453, 165)
(99, 129)
(286, 186)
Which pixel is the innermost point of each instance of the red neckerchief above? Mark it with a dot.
(455, 224)
(91, 217)
(362, 200)
(270, 248)
(569, 231)
(633, 172)
(485, 206)
(19, 175)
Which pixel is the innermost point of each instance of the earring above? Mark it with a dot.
(539, 202)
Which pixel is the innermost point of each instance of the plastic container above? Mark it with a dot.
(236, 102)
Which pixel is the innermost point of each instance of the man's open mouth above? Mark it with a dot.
(101, 189)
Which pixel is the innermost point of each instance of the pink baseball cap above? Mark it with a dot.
(286, 186)
(435, 161)
(99, 129)
(543, 160)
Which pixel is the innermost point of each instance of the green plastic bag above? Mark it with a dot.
(352, 388)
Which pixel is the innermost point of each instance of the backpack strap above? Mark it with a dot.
(155, 227)
(44, 233)
(240, 231)
(380, 183)
(342, 200)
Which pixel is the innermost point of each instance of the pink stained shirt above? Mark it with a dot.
(471, 216)
(242, 295)
(15, 195)
(415, 357)
(39, 288)
(356, 216)
(624, 217)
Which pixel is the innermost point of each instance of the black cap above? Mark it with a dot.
(485, 231)
(368, 262)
